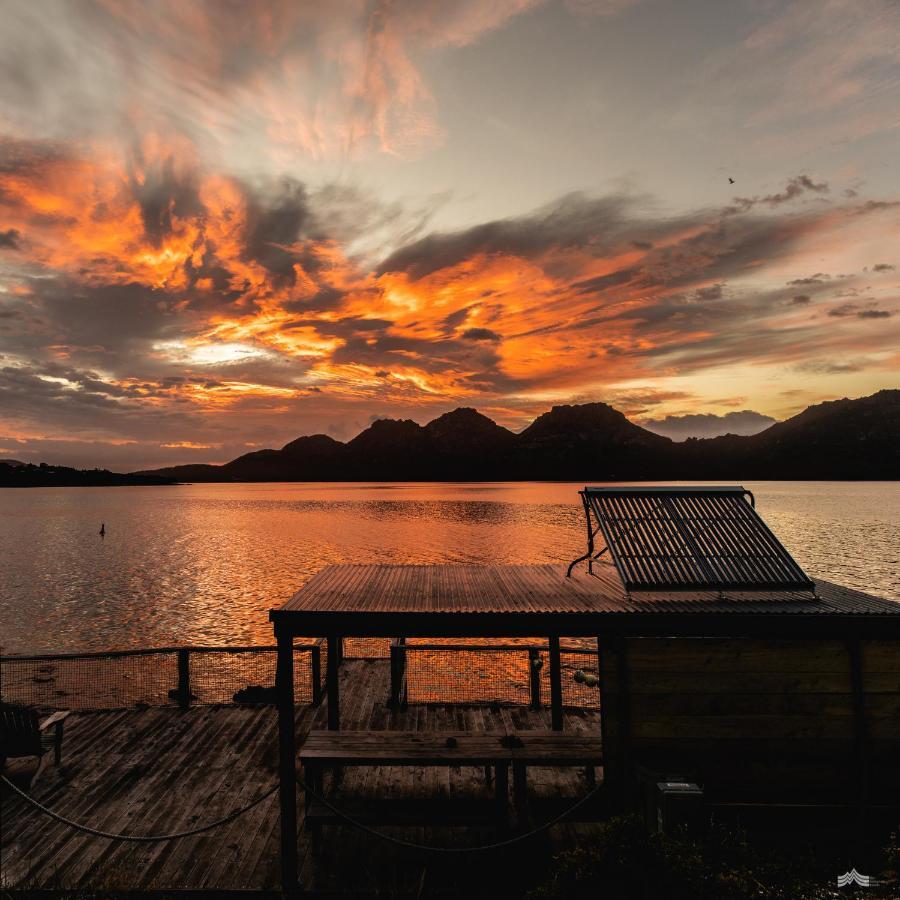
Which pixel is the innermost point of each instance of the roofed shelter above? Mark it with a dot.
(698, 587)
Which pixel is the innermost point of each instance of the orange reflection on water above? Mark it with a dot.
(203, 564)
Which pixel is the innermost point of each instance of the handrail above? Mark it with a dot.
(256, 648)
(400, 649)
(504, 648)
(181, 692)
(191, 648)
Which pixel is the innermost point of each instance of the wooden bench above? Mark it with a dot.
(494, 752)
(552, 749)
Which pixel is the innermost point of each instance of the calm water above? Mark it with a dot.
(204, 563)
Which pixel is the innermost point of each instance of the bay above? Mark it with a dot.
(203, 564)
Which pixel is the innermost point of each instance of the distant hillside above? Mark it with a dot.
(841, 439)
(17, 474)
(838, 439)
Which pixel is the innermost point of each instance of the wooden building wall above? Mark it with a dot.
(756, 720)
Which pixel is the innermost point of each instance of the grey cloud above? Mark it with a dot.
(883, 267)
(453, 320)
(163, 195)
(830, 367)
(28, 393)
(384, 349)
(573, 221)
(712, 292)
(601, 282)
(349, 326)
(800, 184)
(481, 334)
(277, 218)
(705, 425)
(800, 299)
(854, 309)
(10, 238)
(795, 187)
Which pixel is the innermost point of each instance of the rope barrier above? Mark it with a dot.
(430, 848)
(141, 838)
(355, 823)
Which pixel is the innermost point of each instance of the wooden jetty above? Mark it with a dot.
(164, 769)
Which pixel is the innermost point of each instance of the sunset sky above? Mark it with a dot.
(227, 224)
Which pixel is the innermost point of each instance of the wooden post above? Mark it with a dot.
(331, 682)
(287, 753)
(623, 715)
(501, 795)
(315, 673)
(534, 676)
(601, 690)
(184, 678)
(860, 742)
(556, 710)
(398, 673)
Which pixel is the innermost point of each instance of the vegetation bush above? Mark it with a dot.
(623, 862)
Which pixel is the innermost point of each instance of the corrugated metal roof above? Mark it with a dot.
(445, 590)
(690, 539)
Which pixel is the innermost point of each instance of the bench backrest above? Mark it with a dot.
(19, 731)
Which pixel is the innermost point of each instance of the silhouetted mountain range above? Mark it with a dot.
(840, 439)
(18, 474)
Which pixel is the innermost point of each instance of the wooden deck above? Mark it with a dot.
(159, 770)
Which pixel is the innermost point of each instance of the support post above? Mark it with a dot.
(315, 674)
(184, 678)
(601, 690)
(287, 753)
(860, 741)
(623, 715)
(556, 709)
(398, 673)
(534, 677)
(331, 682)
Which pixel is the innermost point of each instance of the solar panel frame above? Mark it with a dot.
(689, 539)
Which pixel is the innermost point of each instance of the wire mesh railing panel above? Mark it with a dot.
(513, 673)
(245, 677)
(367, 648)
(92, 682)
(575, 691)
(477, 675)
(119, 680)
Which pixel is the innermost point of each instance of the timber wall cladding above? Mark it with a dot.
(756, 719)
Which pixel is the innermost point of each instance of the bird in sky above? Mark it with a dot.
(730, 180)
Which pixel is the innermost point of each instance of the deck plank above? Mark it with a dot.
(162, 769)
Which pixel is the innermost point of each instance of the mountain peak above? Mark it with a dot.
(312, 443)
(464, 418)
(841, 439)
(470, 439)
(579, 418)
(464, 415)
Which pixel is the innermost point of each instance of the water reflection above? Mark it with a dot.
(204, 563)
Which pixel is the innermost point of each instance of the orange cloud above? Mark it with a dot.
(202, 294)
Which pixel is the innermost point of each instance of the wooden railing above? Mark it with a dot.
(183, 675)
